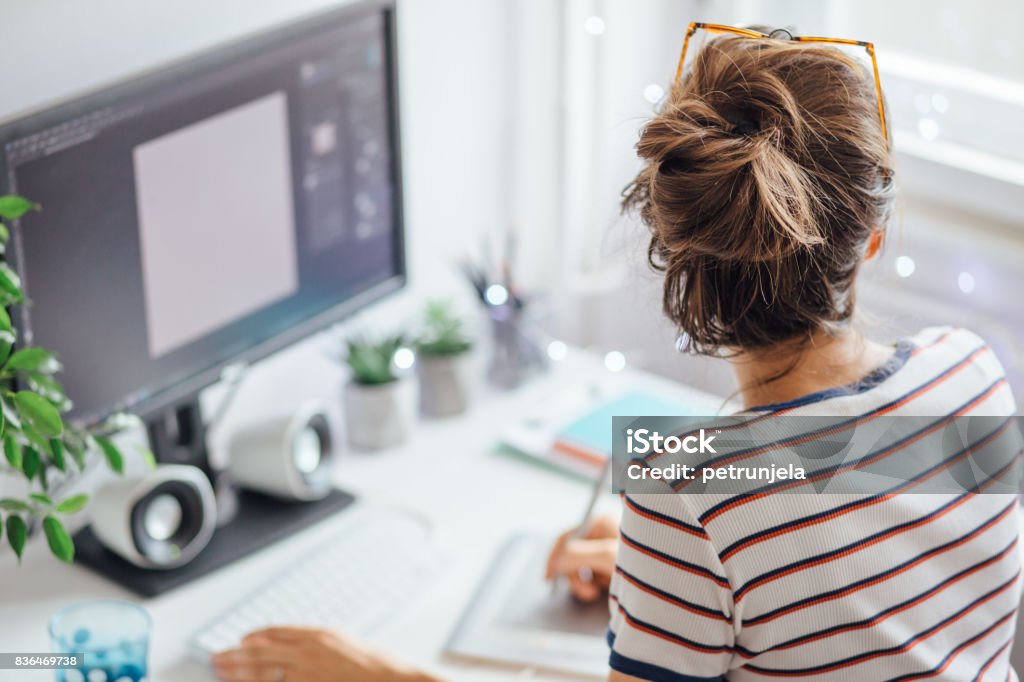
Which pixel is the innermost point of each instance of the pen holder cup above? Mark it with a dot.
(515, 355)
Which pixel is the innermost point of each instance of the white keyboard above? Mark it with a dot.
(353, 582)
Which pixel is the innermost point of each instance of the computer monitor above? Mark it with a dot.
(209, 213)
(206, 214)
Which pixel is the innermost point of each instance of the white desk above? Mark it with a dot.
(448, 471)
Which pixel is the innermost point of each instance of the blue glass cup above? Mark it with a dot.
(112, 635)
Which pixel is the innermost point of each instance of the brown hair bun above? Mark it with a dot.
(765, 173)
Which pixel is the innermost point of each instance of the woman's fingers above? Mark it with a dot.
(603, 529)
(584, 590)
(588, 565)
(602, 526)
(555, 553)
(307, 655)
(284, 633)
(247, 674)
(596, 556)
(256, 649)
(259, 659)
(250, 664)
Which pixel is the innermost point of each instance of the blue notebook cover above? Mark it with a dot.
(591, 434)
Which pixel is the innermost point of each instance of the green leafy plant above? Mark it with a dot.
(37, 445)
(443, 332)
(372, 360)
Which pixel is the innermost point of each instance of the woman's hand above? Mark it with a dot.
(588, 562)
(296, 654)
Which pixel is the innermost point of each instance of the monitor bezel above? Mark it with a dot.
(184, 390)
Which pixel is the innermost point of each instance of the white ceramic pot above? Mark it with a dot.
(445, 384)
(379, 416)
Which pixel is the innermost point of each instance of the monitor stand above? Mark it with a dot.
(177, 437)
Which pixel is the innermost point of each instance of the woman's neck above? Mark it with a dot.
(786, 373)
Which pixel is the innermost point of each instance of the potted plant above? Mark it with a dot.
(379, 404)
(442, 362)
(39, 448)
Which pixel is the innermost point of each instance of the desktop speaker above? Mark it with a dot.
(159, 520)
(289, 458)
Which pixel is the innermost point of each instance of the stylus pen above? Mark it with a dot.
(595, 495)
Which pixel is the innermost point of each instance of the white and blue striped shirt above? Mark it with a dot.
(830, 587)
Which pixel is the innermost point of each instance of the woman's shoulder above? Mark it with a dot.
(950, 370)
(959, 371)
(955, 352)
(947, 338)
(937, 371)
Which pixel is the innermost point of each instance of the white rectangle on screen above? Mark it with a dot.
(216, 221)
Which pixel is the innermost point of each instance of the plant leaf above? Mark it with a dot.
(59, 540)
(115, 460)
(41, 444)
(37, 411)
(12, 451)
(9, 414)
(9, 504)
(77, 454)
(57, 454)
(73, 504)
(371, 359)
(148, 458)
(16, 533)
(5, 321)
(13, 207)
(121, 421)
(30, 462)
(49, 388)
(33, 360)
(41, 499)
(10, 283)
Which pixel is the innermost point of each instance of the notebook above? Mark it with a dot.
(572, 431)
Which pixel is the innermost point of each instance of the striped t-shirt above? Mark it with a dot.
(830, 587)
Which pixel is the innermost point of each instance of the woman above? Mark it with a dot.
(766, 185)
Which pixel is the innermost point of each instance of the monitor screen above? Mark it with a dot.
(211, 212)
